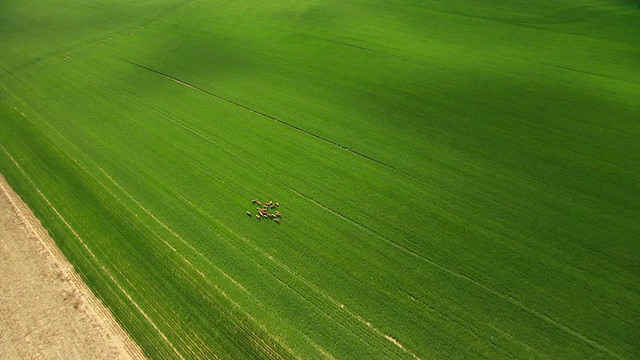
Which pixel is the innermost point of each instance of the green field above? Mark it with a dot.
(458, 179)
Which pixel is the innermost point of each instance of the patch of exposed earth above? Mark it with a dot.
(46, 311)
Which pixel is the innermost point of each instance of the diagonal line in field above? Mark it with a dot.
(464, 277)
(320, 349)
(493, 53)
(304, 281)
(269, 117)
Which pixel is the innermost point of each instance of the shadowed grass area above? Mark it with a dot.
(456, 180)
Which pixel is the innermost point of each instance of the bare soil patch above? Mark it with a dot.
(46, 311)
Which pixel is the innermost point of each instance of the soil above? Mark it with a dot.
(46, 311)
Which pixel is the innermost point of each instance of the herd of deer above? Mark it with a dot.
(262, 211)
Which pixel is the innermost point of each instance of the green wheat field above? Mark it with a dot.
(457, 179)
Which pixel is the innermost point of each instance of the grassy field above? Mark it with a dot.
(457, 179)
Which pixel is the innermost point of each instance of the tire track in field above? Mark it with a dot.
(494, 53)
(464, 277)
(166, 227)
(267, 350)
(111, 192)
(102, 267)
(320, 349)
(314, 289)
(474, 331)
(247, 331)
(364, 48)
(269, 117)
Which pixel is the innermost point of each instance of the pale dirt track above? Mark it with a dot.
(46, 311)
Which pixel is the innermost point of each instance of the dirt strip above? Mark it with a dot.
(46, 310)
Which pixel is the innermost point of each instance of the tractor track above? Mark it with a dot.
(272, 118)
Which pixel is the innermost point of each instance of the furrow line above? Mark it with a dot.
(517, 58)
(306, 282)
(308, 300)
(454, 320)
(486, 288)
(170, 230)
(269, 117)
(327, 355)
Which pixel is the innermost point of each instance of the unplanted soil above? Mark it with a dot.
(46, 311)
